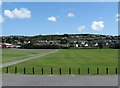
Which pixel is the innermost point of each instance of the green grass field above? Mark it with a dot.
(74, 59)
(17, 54)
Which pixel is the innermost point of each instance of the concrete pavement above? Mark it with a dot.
(56, 80)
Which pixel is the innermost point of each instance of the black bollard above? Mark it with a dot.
(116, 71)
(69, 70)
(78, 70)
(60, 71)
(51, 71)
(15, 70)
(7, 70)
(33, 70)
(97, 70)
(88, 71)
(42, 71)
(24, 71)
(106, 70)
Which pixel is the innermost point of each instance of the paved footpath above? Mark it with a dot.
(26, 59)
(56, 80)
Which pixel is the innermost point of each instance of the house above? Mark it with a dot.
(86, 45)
(6, 45)
(17, 46)
(9, 45)
(77, 45)
(96, 44)
(2, 45)
(42, 41)
(65, 45)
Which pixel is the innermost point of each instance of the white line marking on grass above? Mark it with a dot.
(26, 59)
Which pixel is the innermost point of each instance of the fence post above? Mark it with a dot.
(7, 70)
(116, 71)
(88, 71)
(33, 70)
(15, 70)
(60, 71)
(97, 70)
(51, 71)
(78, 70)
(106, 70)
(24, 71)
(69, 70)
(42, 71)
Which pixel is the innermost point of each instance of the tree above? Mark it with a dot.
(100, 44)
(64, 41)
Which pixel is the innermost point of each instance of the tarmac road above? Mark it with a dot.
(56, 80)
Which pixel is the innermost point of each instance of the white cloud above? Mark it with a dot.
(97, 25)
(9, 14)
(1, 19)
(70, 15)
(57, 33)
(81, 28)
(52, 18)
(18, 13)
(117, 17)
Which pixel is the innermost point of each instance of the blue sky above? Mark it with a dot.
(59, 18)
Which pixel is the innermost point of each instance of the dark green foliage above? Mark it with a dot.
(100, 44)
(44, 46)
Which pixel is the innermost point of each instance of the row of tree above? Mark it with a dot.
(55, 46)
(44, 46)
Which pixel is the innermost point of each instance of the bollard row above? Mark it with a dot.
(60, 71)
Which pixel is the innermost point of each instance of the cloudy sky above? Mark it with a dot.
(25, 18)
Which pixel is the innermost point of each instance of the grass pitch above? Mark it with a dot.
(74, 59)
(17, 54)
